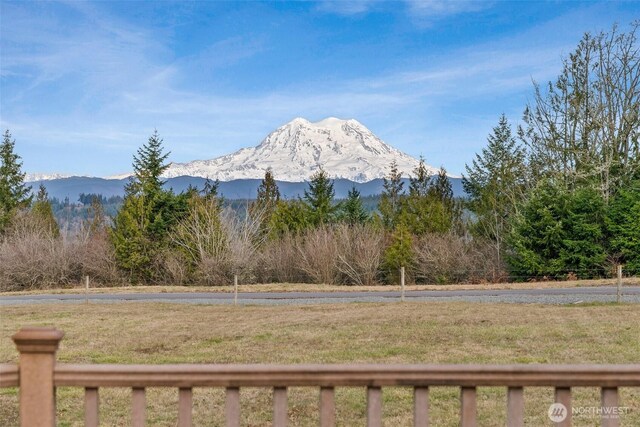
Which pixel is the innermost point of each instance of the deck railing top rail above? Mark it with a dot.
(359, 375)
(9, 375)
(346, 375)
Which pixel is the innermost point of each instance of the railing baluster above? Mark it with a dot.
(515, 407)
(374, 407)
(563, 395)
(232, 407)
(327, 407)
(609, 398)
(468, 415)
(138, 407)
(280, 406)
(91, 402)
(421, 406)
(185, 403)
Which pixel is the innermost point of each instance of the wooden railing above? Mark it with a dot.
(38, 374)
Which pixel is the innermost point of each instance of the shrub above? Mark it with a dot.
(278, 261)
(32, 257)
(360, 250)
(318, 253)
(449, 258)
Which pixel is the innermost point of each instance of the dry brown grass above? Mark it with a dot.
(447, 332)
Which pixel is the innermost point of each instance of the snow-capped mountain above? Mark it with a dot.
(343, 148)
(36, 177)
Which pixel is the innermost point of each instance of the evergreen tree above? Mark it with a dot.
(560, 232)
(148, 165)
(420, 182)
(97, 218)
(584, 247)
(266, 200)
(148, 213)
(268, 192)
(441, 188)
(134, 248)
(352, 211)
(390, 204)
(319, 199)
(43, 214)
(211, 190)
(427, 208)
(400, 252)
(14, 194)
(495, 184)
(538, 235)
(289, 216)
(623, 226)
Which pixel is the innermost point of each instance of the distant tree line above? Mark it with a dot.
(557, 198)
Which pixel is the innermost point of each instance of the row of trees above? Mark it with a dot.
(563, 196)
(33, 251)
(158, 236)
(202, 240)
(558, 198)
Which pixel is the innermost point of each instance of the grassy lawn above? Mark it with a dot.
(443, 332)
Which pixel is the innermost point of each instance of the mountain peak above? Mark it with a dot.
(330, 121)
(294, 151)
(298, 120)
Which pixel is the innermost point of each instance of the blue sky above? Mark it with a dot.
(83, 85)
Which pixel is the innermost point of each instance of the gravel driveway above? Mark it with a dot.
(630, 294)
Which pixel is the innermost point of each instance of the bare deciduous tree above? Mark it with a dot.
(360, 250)
(448, 258)
(585, 126)
(318, 251)
(31, 257)
(279, 260)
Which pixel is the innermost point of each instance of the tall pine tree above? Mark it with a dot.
(14, 194)
(266, 200)
(43, 213)
(390, 204)
(441, 187)
(148, 212)
(319, 199)
(351, 210)
(148, 165)
(496, 185)
(268, 192)
(420, 182)
(428, 208)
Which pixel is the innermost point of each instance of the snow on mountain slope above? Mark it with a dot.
(36, 177)
(343, 148)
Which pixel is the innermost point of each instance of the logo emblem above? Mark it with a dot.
(557, 412)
